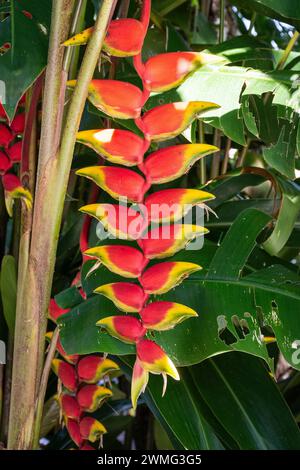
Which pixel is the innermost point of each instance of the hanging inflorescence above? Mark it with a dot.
(121, 147)
(82, 388)
(11, 140)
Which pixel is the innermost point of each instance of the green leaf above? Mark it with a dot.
(8, 287)
(245, 399)
(27, 57)
(287, 10)
(223, 264)
(288, 213)
(178, 412)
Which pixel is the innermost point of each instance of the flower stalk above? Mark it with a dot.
(55, 157)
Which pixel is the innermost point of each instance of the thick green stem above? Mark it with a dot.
(30, 321)
(53, 175)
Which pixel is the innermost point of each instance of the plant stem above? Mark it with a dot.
(226, 157)
(222, 21)
(32, 285)
(53, 175)
(287, 51)
(43, 388)
(215, 165)
(242, 155)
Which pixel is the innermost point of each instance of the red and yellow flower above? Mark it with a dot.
(123, 100)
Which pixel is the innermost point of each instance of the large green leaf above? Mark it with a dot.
(27, 56)
(245, 399)
(287, 10)
(229, 401)
(233, 308)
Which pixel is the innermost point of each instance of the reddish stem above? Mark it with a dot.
(30, 118)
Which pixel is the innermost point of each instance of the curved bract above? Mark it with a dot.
(116, 181)
(117, 99)
(156, 222)
(169, 163)
(124, 38)
(117, 146)
(169, 120)
(179, 65)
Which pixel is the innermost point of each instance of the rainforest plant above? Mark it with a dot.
(149, 224)
(124, 101)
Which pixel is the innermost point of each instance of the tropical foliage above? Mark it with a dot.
(149, 161)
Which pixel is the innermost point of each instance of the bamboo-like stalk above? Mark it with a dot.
(53, 173)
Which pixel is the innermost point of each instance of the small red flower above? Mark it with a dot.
(125, 295)
(5, 163)
(18, 123)
(91, 369)
(162, 277)
(91, 429)
(15, 152)
(74, 431)
(6, 136)
(91, 397)
(127, 329)
(66, 373)
(120, 259)
(70, 407)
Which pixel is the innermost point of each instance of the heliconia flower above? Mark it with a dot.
(66, 373)
(121, 221)
(3, 114)
(91, 369)
(6, 136)
(162, 277)
(15, 152)
(5, 163)
(166, 240)
(74, 431)
(125, 295)
(116, 145)
(139, 381)
(70, 407)
(153, 359)
(116, 181)
(169, 120)
(120, 259)
(165, 71)
(13, 189)
(169, 163)
(90, 397)
(54, 311)
(117, 99)
(127, 329)
(71, 358)
(124, 38)
(91, 429)
(163, 315)
(172, 204)
(18, 123)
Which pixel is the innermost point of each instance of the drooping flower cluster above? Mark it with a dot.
(121, 147)
(10, 154)
(81, 389)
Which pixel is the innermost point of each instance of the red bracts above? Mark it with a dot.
(155, 222)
